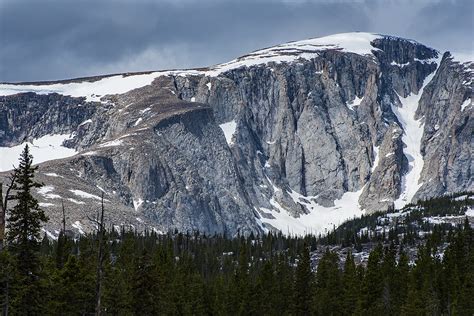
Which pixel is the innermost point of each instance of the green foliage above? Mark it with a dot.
(196, 274)
(24, 226)
(303, 284)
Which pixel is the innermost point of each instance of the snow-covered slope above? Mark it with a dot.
(358, 43)
(412, 135)
(46, 148)
(319, 220)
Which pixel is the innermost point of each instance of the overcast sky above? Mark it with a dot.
(58, 39)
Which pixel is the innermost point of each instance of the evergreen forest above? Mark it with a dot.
(110, 272)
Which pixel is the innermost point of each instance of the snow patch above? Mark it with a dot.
(461, 198)
(229, 129)
(46, 192)
(353, 103)
(49, 234)
(77, 225)
(45, 204)
(52, 174)
(450, 219)
(112, 143)
(145, 110)
(426, 61)
(89, 153)
(466, 103)
(92, 91)
(138, 121)
(85, 195)
(470, 212)
(209, 85)
(319, 220)
(46, 148)
(399, 65)
(400, 213)
(412, 134)
(137, 204)
(75, 201)
(376, 158)
(85, 122)
(356, 42)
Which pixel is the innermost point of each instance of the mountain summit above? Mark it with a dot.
(297, 137)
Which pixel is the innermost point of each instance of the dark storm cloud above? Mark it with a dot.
(52, 39)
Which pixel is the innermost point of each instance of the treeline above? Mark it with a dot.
(407, 229)
(184, 274)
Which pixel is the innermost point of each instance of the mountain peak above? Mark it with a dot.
(94, 88)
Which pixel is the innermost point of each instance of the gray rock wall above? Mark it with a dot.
(312, 126)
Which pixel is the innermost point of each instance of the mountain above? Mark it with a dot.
(297, 137)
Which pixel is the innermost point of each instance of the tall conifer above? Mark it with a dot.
(24, 226)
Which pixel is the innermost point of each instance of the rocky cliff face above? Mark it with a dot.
(311, 133)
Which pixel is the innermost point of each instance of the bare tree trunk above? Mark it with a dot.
(64, 217)
(3, 208)
(2, 218)
(100, 260)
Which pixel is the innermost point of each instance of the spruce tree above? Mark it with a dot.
(351, 285)
(328, 285)
(26, 217)
(24, 225)
(143, 294)
(7, 272)
(374, 282)
(303, 286)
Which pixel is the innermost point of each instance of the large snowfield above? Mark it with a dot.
(320, 219)
(49, 147)
(358, 43)
(412, 135)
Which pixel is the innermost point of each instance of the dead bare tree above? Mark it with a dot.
(64, 217)
(62, 239)
(100, 257)
(4, 205)
(3, 214)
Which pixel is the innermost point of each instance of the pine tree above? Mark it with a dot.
(6, 274)
(284, 286)
(328, 285)
(144, 298)
(74, 291)
(263, 294)
(351, 285)
(401, 282)
(24, 225)
(389, 270)
(303, 287)
(374, 282)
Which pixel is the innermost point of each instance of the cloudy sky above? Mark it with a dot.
(58, 39)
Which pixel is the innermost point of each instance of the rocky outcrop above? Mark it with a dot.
(312, 125)
(448, 142)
